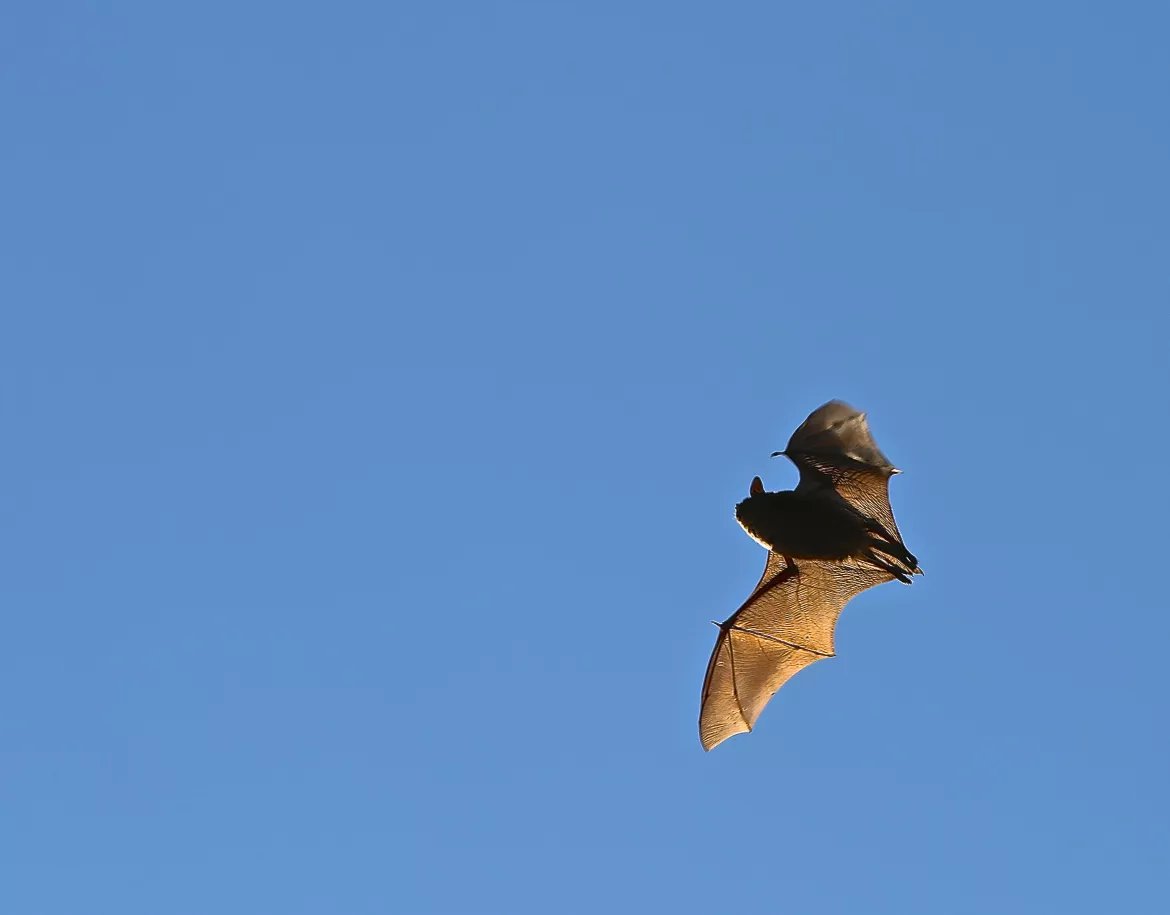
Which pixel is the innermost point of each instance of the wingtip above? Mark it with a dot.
(708, 747)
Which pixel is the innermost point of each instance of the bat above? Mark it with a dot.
(828, 540)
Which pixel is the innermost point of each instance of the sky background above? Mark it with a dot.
(377, 381)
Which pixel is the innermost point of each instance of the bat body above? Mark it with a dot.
(828, 540)
(803, 526)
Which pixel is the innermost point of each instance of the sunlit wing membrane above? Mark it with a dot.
(787, 624)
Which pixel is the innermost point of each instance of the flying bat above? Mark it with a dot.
(828, 540)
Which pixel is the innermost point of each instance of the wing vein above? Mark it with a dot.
(772, 638)
(734, 685)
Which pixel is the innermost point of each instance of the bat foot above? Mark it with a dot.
(886, 566)
(886, 543)
(895, 550)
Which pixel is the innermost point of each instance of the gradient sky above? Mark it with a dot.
(377, 382)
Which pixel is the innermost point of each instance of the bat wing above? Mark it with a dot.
(784, 626)
(835, 448)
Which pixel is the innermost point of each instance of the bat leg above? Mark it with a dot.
(777, 578)
(891, 546)
(886, 566)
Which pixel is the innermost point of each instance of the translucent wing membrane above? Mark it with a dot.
(785, 625)
(835, 448)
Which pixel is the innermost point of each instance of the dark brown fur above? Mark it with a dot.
(801, 526)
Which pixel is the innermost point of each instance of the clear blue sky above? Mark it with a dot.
(377, 382)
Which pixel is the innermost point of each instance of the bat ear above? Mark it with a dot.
(757, 487)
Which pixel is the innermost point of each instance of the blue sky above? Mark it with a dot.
(377, 383)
